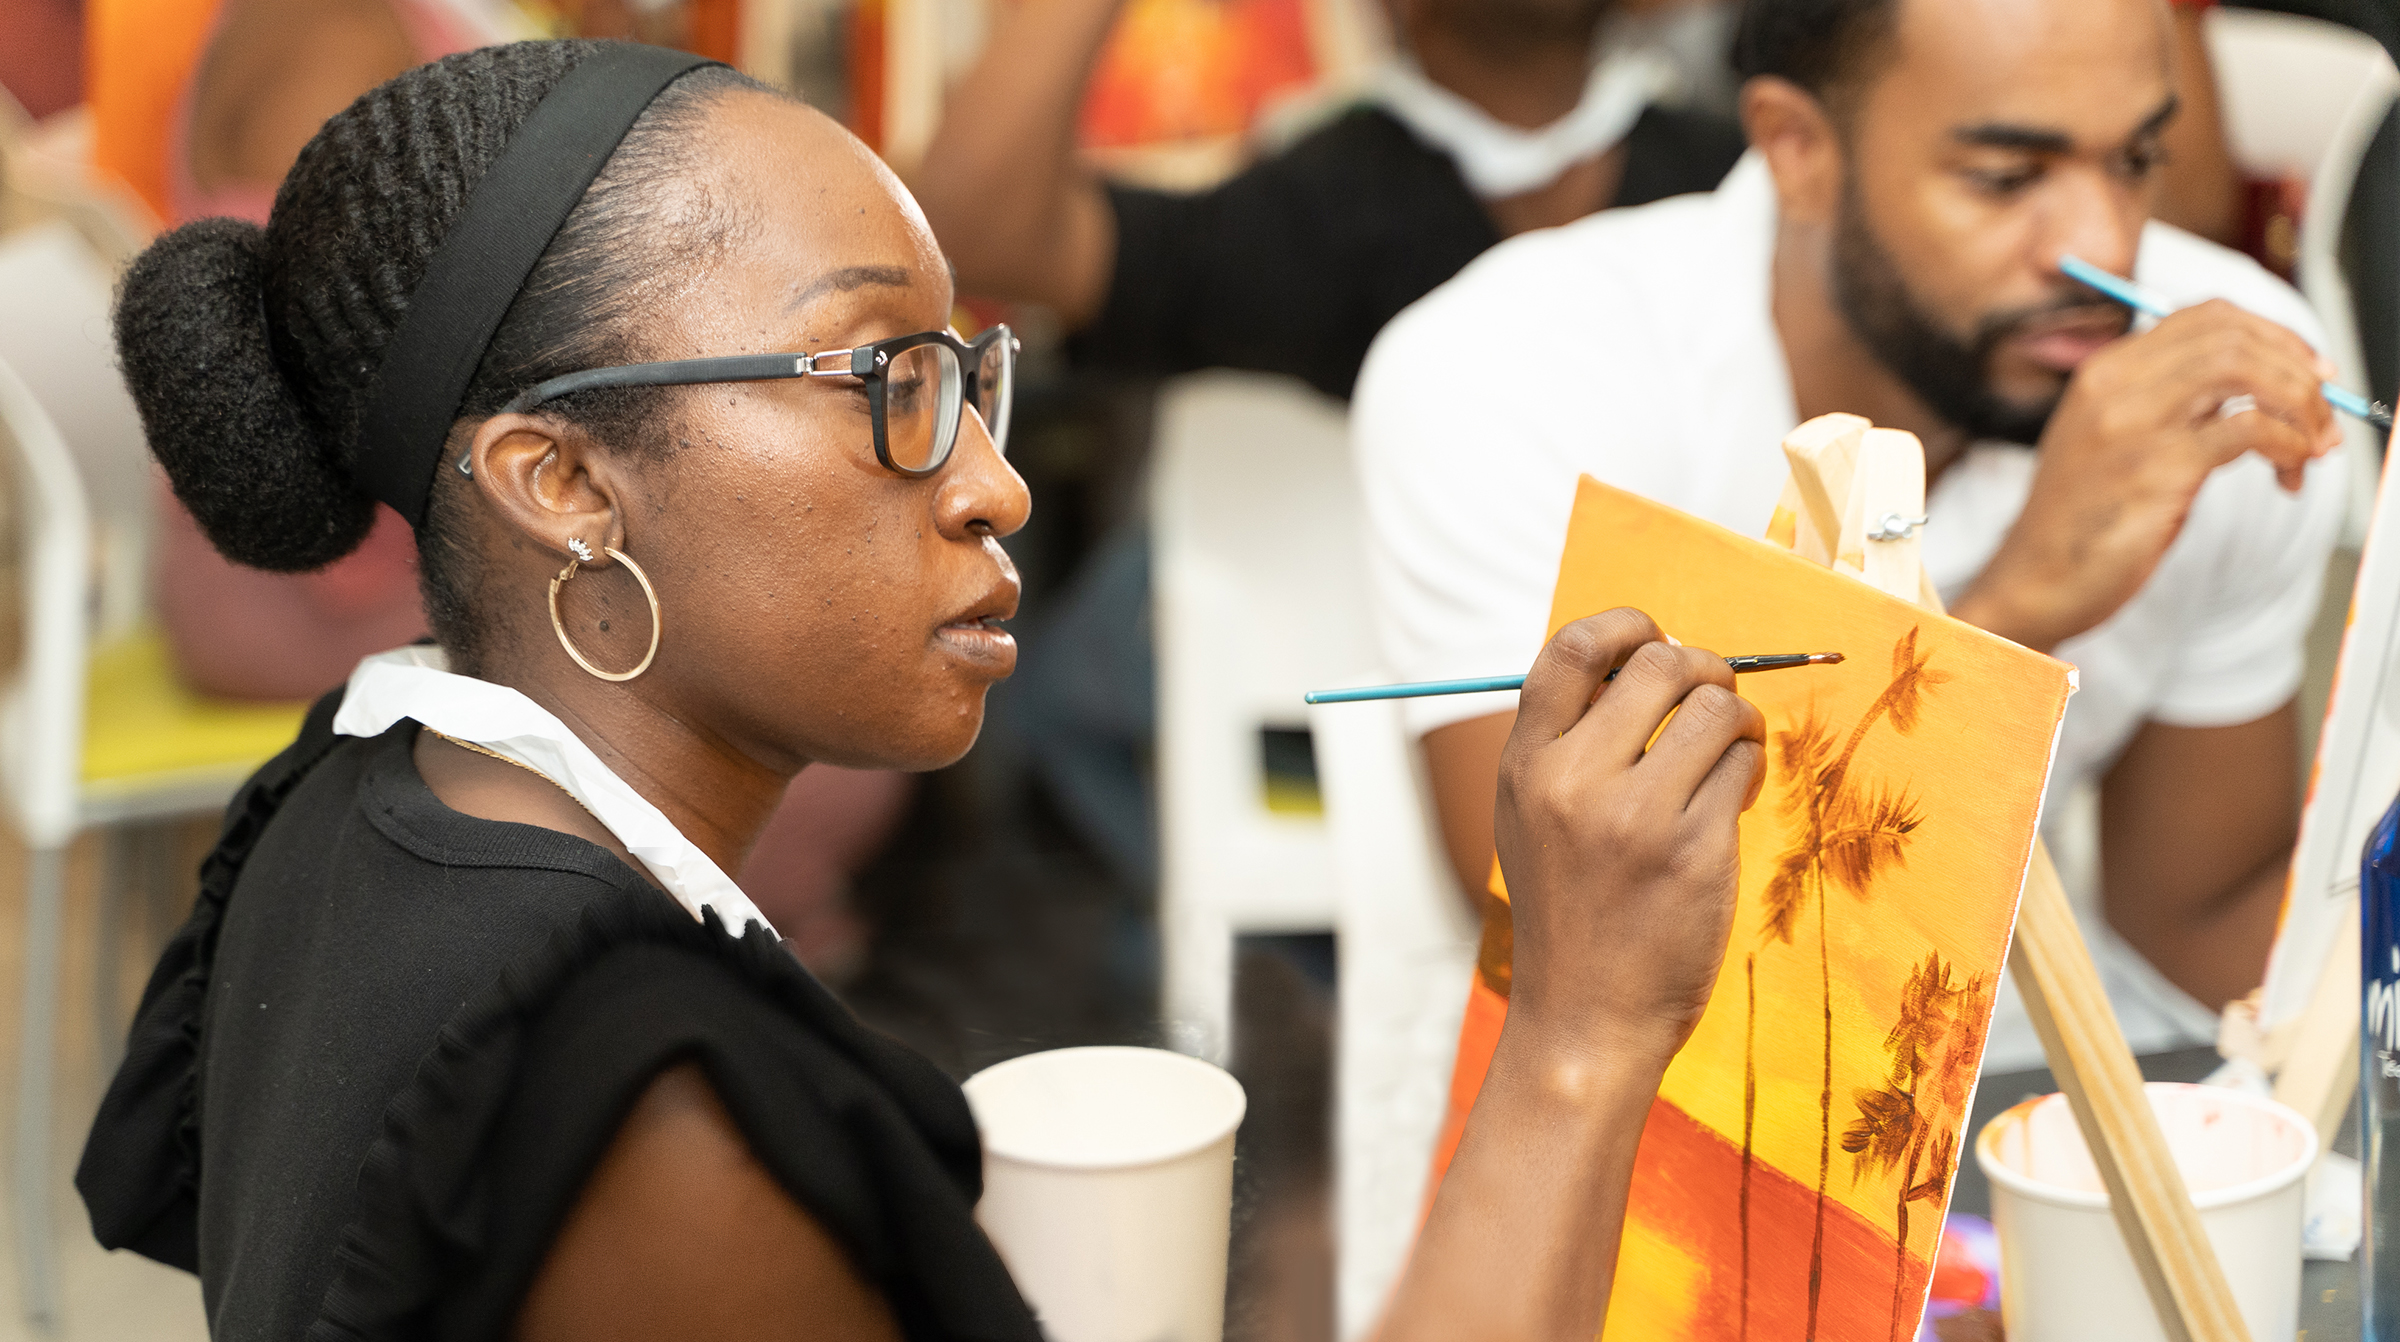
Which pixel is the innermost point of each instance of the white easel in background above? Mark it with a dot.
(2304, 96)
(1856, 498)
(2302, 1027)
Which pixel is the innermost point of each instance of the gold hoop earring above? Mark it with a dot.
(649, 593)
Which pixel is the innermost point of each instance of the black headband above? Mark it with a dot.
(480, 265)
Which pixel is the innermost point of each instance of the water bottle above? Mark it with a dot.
(2379, 1079)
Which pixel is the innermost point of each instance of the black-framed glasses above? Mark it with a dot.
(918, 388)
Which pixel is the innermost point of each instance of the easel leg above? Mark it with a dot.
(2095, 1069)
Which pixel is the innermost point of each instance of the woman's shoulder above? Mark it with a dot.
(334, 874)
(485, 1153)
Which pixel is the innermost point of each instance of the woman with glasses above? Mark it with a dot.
(470, 1034)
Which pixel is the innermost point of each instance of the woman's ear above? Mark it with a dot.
(1792, 130)
(548, 481)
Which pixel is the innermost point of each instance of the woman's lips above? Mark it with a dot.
(981, 643)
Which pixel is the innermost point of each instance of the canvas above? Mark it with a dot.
(1797, 1163)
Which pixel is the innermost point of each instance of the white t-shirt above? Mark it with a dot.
(1638, 346)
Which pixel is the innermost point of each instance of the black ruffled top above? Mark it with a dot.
(371, 1074)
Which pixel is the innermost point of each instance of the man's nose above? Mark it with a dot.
(2090, 216)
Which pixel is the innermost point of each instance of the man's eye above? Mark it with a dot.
(2141, 161)
(2003, 181)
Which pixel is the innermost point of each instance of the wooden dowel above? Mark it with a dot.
(2062, 991)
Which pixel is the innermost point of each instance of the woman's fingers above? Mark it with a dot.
(1573, 666)
(1654, 682)
(1732, 783)
(1711, 720)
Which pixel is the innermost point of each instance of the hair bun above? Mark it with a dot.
(239, 449)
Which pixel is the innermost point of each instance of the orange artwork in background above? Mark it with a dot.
(1194, 69)
(1795, 1168)
(138, 59)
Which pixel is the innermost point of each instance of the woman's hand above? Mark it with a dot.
(1621, 851)
(1617, 835)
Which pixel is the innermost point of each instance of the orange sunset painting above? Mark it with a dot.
(1793, 1176)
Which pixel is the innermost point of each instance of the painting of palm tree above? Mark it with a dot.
(1848, 830)
(1907, 1125)
(1909, 776)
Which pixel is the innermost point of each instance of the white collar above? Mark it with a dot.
(415, 682)
(1500, 160)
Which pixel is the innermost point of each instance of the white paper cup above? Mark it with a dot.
(2064, 1269)
(1108, 1189)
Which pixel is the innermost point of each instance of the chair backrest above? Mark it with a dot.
(54, 330)
(1407, 945)
(2289, 88)
(2303, 98)
(1260, 596)
(41, 705)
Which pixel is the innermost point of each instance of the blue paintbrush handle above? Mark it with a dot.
(1417, 689)
(2143, 301)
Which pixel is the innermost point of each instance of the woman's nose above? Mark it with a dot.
(980, 493)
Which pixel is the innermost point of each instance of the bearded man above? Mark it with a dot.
(2144, 501)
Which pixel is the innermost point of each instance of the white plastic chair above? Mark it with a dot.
(1259, 598)
(2303, 98)
(95, 731)
(1406, 944)
(41, 738)
(1261, 595)
(55, 333)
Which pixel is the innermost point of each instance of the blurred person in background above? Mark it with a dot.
(2136, 501)
(1500, 116)
(263, 77)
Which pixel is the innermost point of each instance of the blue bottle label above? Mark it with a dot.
(2379, 1079)
(2383, 1007)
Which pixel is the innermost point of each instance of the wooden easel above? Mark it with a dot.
(1854, 502)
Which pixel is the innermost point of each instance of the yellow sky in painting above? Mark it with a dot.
(1976, 762)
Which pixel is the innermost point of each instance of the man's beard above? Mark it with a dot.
(1949, 375)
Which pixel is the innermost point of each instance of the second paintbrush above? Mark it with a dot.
(1418, 689)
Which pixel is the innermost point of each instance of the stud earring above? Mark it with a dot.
(582, 549)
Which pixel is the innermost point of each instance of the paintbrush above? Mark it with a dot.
(1769, 661)
(2149, 304)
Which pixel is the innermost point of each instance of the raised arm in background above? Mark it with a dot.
(1017, 214)
(274, 72)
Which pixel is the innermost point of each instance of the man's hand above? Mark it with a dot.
(1621, 851)
(2140, 429)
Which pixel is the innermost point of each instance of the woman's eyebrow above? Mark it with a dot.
(848, 278)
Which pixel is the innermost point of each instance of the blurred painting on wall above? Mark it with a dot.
(1177, 70)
